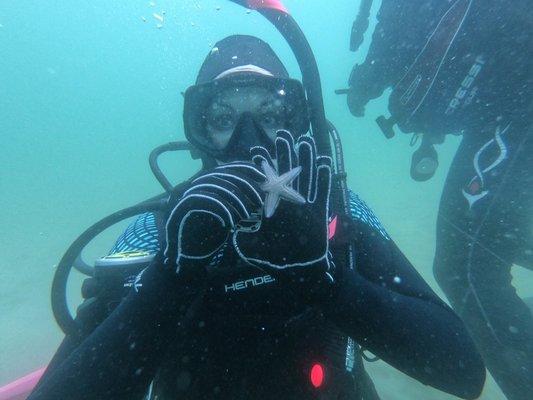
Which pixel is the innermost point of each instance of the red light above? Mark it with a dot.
(317, 375)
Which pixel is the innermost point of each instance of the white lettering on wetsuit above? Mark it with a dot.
(241, 285)
(134, 281)
(466, 87)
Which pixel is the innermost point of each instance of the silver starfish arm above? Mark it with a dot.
(291, 175)
(271, 203)
(289, 194)
(270, 173)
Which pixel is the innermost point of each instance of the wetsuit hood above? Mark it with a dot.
(235, 62)
(238, 54)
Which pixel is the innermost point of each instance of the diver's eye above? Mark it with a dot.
(221, 122)
(271, 120)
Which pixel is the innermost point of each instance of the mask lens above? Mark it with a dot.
(221, 118)
(213, 111)
(273, 115)
(267, 109)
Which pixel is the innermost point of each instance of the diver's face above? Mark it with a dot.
(226, 109)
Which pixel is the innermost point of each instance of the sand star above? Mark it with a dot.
(278, 187)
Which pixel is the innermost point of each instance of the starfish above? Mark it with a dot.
(278, 187)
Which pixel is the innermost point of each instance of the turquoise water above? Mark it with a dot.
(87, 89)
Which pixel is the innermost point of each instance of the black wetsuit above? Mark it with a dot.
(467, 67)
(234, 333)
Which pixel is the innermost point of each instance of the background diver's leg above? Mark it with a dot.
(478, 242)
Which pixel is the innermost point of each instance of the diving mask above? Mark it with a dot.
(226, 117)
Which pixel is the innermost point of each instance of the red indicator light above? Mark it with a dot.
(317, 375)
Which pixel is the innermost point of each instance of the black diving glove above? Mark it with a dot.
(293, 230)
(202, 218)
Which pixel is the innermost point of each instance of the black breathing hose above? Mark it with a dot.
(154, 165)
(73, 255)
(275, 12)
(342, 198)
(59, 284)
(299, 45)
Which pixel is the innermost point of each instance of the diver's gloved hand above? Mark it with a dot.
(355, 103)
(293, 231)
(202, 218)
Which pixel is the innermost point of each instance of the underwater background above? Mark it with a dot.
(88, 89)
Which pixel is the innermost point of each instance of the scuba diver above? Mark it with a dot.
(466, 67)
(245, 288)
